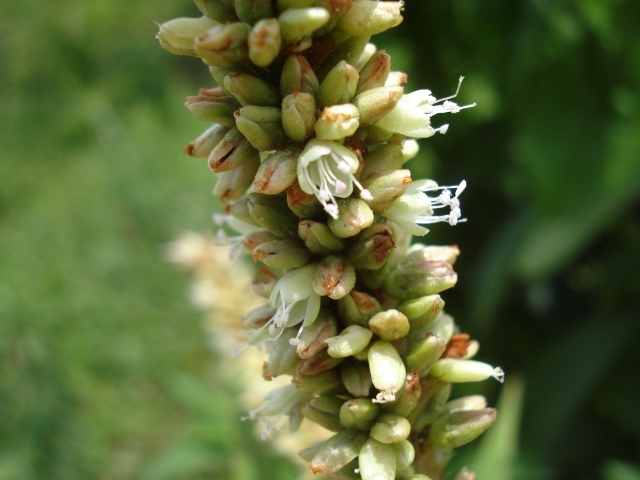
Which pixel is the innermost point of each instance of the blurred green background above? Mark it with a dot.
(105, 372)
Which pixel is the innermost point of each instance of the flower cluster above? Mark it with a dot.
(310, 131)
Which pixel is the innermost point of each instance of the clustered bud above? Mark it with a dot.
(310, 130)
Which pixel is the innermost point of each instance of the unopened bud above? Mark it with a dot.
(407, 398)
(388, 373)
(405, 455)
(263, 283)
(337, 122)
(359, 413)
(318, 237)
(334, 277)
(262, 126)
(370, 18)
(302, 204)
(433, 408)
(354, 215)
(470, 402)
(368, 51)
(250, 90)
(339, 86)
(299, 116)
(346, 48)
(323, 383)
(264, 42)
(233, 184)
(425, 353)
(283, 358)
(202, 146)
(253, 240)
(258, 317)
(459, 428)
(456, 370)
(375, 72)
(356, 378)
(385, 187)
(220, 11)
(277, 172)
(213, 105)
(377, 460)
(338, 451)
(357, 307)
(391, 429)
(176, 36)
(429, 253)
(389, 325)
(371, 247)
(386, 157)
(465, 474)
(223, 45)
(410, 149)
(250, 11)
(297, 76)
(270, 212)
(443, 327)
(320, 362)
(376, 103)
(422, 312)
(410, 280)
(325, 412)
(297, 23)
(312, 339)
(351, 340)
(236, 157)
(282, 253)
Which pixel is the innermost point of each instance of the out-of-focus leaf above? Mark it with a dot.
(617, 470)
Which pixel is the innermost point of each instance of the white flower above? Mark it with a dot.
(412, 114)
(415, 207)
(233, 241)
(325, 169)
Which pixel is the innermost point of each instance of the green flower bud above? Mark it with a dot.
(385, 187)
(338, 451)
(422, 312)
(297, 23)
(337, 122)
(320, 362)
(318, 237)
(283, 358)
(212, 105)
(375, 72)
(250, 90)
(297, 76)
(443, 327)
(470, 402)
(386, 157)
(430, 253)
(336, 9)
(325, 412)
(387, 370)
(176, 36)
(299, 116)
(456, 370)
(465, 474)
(324, 383)
(370, 18)
(354, 215)
(312, 339)
(391, 429)
(277, 172)
(264, 42)
(282, 253)
(262, 126)
(364, 354)
(233, 184)
(356, 378)
(258, 317)
(302, 204)
(416, 279)
(407, 398)
(263, 283)
(371, 247)
(410, 148)
(405, 455)
(270, 212)
(341, 47)
(333, 277)
(459, 428)
(359, 413)
(351, 340)
(223, 45)
(202, 146)
(377, 460)
(221, 11)
(389, 325)
(218, 74)
(396, 79)
(339, 86)
(357, 307)
(368, 51)
(424, 354)
(253, 240)
(296, 417)
(235, 157)
(250, 11)
(433, 407)
(376, 103)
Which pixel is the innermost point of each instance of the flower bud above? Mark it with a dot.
(233, 184)
(264, 42)
(202, 146)
(407, 398)
(219, 11)
(385, 187)
(299, 116)
(430, 253)
(370, 18)
(405, 455)
(415, 279)
(320, 362)
(323, 383)
(342, 47)
(351, 340)
(262, 126)
(270, 212)
(443, 327)
(357, 307)
(338, 451)
(253, 240)
(354, 215)
(377, 460)
(302, 204)
(223, 45)
(176, 36)
(387, 370)
(258, 317)
(459, 428)
(213, 105)
(318, 237)
(337, 122)
(356, 378)
(386, 157)
(367, 52)
(376, 103)
(391, 429)
(396, 79)
(424, 354)
(283, 358)
(277, 172)
(465, 474)
(389, 325)
(470, 402)
(433, 407)
(325, 412)
(375, 72)
(250, 90)
(237, 155)
(282, 253)
(359, 413)
(339, 86)
(297, 23)
(422, 312)
(336, 9)
(371, 247)
(455, 370)
(297, 76)
(410, 149)
(312, 339)
(250, 11)
(334, 277)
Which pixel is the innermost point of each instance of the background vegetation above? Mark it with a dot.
(104, 370)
